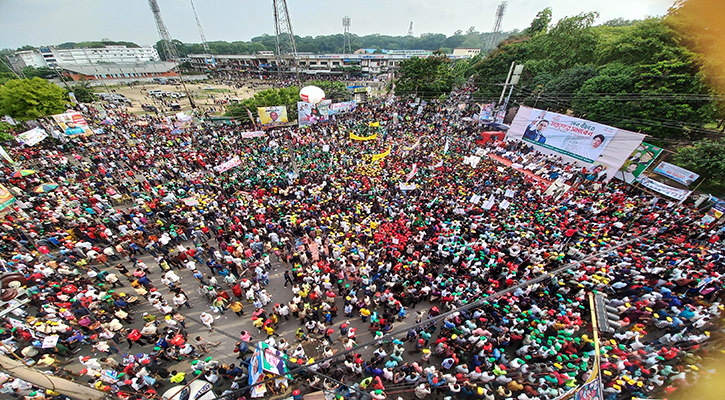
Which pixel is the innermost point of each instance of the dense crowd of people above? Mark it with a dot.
(449, 258)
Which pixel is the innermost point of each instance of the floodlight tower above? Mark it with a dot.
(204, 44)
(347, 47)
(169, 48)
(410, 29)
(500, 11)
(164, 34)
(285, 38)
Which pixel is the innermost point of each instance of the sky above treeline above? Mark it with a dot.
(49, 22)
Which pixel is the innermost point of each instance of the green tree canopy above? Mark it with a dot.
(540, 23)
(288, 96)
(31, 72)
(26, 99)
(705, 157)
(632, 75)
(84, 92)
(425, 77)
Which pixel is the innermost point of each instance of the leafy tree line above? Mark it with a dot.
(432, 77)
(635, 75)
(324, 44)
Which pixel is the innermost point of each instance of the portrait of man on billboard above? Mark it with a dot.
(535, 131)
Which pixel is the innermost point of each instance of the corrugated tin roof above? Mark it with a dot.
(105, 69)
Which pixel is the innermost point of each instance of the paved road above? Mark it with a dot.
(228, 326)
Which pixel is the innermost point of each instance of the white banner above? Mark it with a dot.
(659, 187)
(253, 134)
(226, 166)
(405, 186)
(342, 108)
(578, 138)
(32, 137)
(679, 174)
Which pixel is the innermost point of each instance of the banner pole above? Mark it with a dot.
(595, 332)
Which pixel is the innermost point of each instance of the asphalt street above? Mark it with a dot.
(227, 327)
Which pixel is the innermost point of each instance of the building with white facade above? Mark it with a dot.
(55, 57)
(26, 58)
(309, 64)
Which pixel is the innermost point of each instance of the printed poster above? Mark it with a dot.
(32, 137)
(310, 114)
(6, 198)
(661, 188)
(272, 115)
(717, 211)
(342, 107)
(226, 166)
(640, 159)
(4, 154)
(253, 134)
(679, 174)
(486, 113)
(72, 124)
(574, 137)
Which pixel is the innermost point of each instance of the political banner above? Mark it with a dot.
(266, 360)
(676, 173)
(4, 154)
(717, 211)
(661, 188)
(323, 109)
(32, 137)
(405, 186)
(272, 116)
(252, 134)
(310, 114)
(363, 138)
(640, 159)
(382, 155)
(226, 166)
(6, 198)
(577, 138)
(342, 107)
(589, 391)
(486, 113)
(72, 124)
(500, 116)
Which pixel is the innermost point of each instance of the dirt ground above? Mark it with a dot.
(201, 93)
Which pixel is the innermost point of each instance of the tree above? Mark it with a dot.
(571, 41)
(705, 157)
(84, 92)
(26, 99)
(540, 23)
(6, 132)
(425, 77)
(31, 72)
(335, 91)
(271, 97)
(619, 22)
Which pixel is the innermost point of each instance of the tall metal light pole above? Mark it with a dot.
(169, 48)
(285, 37)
